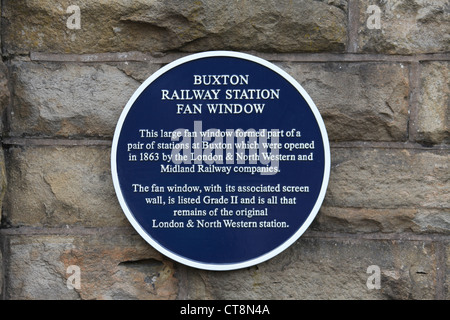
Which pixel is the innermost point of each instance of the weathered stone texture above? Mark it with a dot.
(4, 90)
(3, 176)
(389, 178)
(4, 97)
(159, 26)
(385, 106)
(4, 102)
(383, 190)
(406, 27)
(358, 101)
(112, 266)
(393, 220)
(433, 116)
(447, 271)
(1, 271)
(370, 190)
(58, 186)
(328, 269)
(68, 99)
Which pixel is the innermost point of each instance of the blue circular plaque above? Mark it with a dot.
(220, 160)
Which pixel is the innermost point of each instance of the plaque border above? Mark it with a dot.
(221, 266)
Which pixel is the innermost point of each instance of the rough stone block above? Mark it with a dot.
(58, 186)
(433, 116)
(316, 268)
(4, 90)
(403, 26)
(1, 271)
(447, 271)
(3, 179)
(53, 99)
(4, 101)
(389, 179)
(111, 266)
(358, 101)
(117, 266)
(369, 191)
(159, 26)
(389, 220)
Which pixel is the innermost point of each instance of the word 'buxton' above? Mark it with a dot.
(208, 95)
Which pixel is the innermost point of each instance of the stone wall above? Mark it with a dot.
(377, 70)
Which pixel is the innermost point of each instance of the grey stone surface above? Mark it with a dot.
(328, 269)
(58, 186)
(1, 271)
(160, 26)
(118, 266)
(388, 220)
(406, 26)
(68, 99)
(369, 190)
(383, 93)
(4, 89)
(433, 116)
(111, 266)
(447, 271)
(358, 101)
(388, 178)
